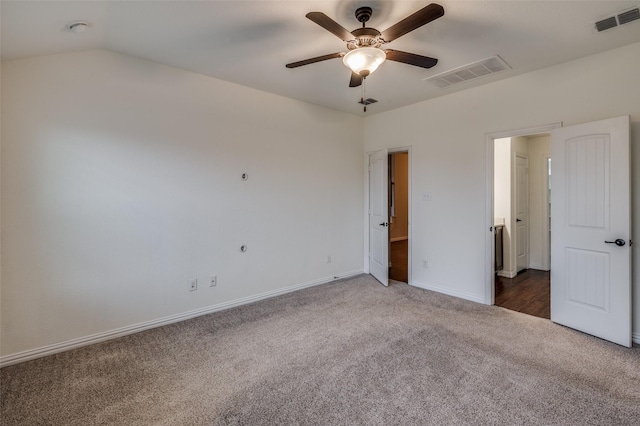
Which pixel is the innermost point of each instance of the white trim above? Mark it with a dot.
(489, 293)
(538, 268)
(136, 328)
(447, 291)
(635, 338)
(546, 256)
(507, 274)
(531, 131)
(490, 239)
(393, 240)
(365, 240)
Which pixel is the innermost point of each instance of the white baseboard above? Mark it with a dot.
(394, 239)
(449, 292)
(538, 267)
(136, 328)
(635, 338)
(507, 274)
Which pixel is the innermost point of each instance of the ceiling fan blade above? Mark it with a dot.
(411, 22)
(330, 25)
(411, 58)
(316, 59)
(356, 80)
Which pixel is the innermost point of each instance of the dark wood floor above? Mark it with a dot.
(398, 256)
(528, 292)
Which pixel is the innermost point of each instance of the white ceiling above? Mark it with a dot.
(249, 42)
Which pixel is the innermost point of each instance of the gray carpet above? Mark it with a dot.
(349, 352)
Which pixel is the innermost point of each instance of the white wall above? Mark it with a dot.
(451, 228)
(121, 181)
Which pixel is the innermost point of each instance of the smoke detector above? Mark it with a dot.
(78, 26)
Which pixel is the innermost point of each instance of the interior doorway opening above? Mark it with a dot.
(388, 206)
(591, 259)
(521, 208)
(399, 216)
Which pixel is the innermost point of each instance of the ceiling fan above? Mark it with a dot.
(365, 55)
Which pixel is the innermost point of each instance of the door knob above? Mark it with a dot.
(384, 224)
(619, 242)
(518, 220)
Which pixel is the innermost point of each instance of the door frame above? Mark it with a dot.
(367, 154)
(546, 240)
(489, 294)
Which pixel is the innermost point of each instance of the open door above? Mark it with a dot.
(379, 216)
(590, 229)
(522, 212)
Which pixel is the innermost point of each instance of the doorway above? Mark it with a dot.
(399, 216)
(590, 269)
(521, 196)
(388, 206)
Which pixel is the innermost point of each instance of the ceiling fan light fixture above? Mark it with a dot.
(364, 60)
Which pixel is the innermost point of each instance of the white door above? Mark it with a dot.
(379, 216)
(522, 212)
(590, 212)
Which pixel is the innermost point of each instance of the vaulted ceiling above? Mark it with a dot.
(249, 42)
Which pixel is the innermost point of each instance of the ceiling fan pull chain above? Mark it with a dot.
(363, 94)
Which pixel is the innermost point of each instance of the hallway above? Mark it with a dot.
(528, 292)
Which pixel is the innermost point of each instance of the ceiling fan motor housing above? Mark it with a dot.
(363, 14)
(365, 37)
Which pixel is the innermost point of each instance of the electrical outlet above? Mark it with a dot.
(193, 284)
(213, 281)
(329, 259)
(425, 263)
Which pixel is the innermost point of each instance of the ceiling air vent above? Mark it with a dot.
(368, 101)
(605, 24)
(621, 18)
(468, 72)
(628, 16)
